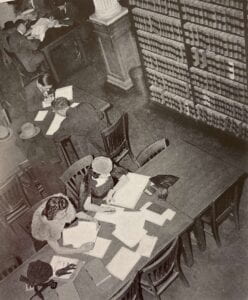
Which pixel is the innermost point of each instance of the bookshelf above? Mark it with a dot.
(195, 57)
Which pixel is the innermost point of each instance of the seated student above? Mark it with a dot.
(50, 219)
(83, 123)
(25, 50)
(98, 186)
(37, 90)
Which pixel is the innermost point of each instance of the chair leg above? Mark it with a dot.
(183, 278)
(215, 232)
(236, 217)
(187, 249)
(199, 234)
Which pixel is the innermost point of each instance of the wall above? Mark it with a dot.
(6, 13)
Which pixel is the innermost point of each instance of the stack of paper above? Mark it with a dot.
(59, 262)
(123, 263)
(129, 194)
(83, 232)
(65, 91)
(156, 218)
(100, 248)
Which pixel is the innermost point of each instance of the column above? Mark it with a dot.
(118, 46)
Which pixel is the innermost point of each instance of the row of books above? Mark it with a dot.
(160, 24)
(222, 43)
(162, 46)
(166, 7)
(165, 65)
(214, 16)
(168, 83)
(219, 85)
(237, 4)
(221, 121)
(219, 65)
(221, 104)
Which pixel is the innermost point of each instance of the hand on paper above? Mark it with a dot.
(66, 270)
(87, 247)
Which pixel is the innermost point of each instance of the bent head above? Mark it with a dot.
(45, 82)
(60, 106)
(56, 207)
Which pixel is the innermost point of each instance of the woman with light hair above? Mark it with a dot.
(50, 219)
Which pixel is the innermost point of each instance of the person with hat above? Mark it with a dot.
(51, 217)
(98, 186)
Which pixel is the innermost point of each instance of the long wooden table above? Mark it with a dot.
(202, 179)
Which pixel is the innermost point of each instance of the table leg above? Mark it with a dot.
(198, 230)
(187, 253)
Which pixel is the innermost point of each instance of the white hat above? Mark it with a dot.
(102, 165)
(28, 130)
(4, 132)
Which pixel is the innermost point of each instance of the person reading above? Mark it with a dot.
(50, 219)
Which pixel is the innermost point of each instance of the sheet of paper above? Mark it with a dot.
(83, 232)
(128, 195)
(55, 124)
(147, 245)
(129, 237)
(67, 291)
(123, 263)
(46, 104)
(74, 104)
(59, 262)
(110, 217)
(41, 115)
(157, 218)
(65, 91)
(100, 248)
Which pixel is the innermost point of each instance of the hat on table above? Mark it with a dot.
(102, 165)
(5, 132)
(28, 130)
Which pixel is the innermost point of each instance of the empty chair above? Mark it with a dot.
(69, 177)
(151, 151)
(116, 140)
(8, 265)
(68, 150)
(158, 275)
(131, 291)
(13, 200)
(227, 205)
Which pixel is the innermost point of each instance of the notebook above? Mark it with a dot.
(157, 208)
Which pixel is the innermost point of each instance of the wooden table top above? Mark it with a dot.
(202, 179)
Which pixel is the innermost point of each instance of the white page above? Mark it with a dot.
(65, 91)
(147, 245)
(157, 218)
(55, 124)
(129, 237)
(74, 104)
(100, 248)
(57, 262)
(46, 104)
(129, 194)
(41, 115)
(83, 232)
(110, 217)
(123, 263)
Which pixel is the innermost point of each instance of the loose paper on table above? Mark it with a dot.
(110, 217)
(129, 194)
(65, 91)
(41, 115)
(123, 263)
(83, 232)
(147, 245)
(55, 124)
(59, 262)
(100, 248)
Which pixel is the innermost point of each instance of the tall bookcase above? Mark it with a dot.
(196, 58)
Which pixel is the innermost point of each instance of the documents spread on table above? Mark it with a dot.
(55, 124)
(67, 291)
(97, 271)
(110, 217)
(66, 92)
(123, 262)
(41, 115)
(147, 245)
(59, 262)
(156, 218)
(83, 232)
(100, 248)
(129, 194)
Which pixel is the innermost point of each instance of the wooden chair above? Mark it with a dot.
(226, 206)
(28, 170)
(131, 291)
(151, 151)
(116, 140)
(13, 200)
(69, 177)
(160, 273)
(8, 265)
(68, 150)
